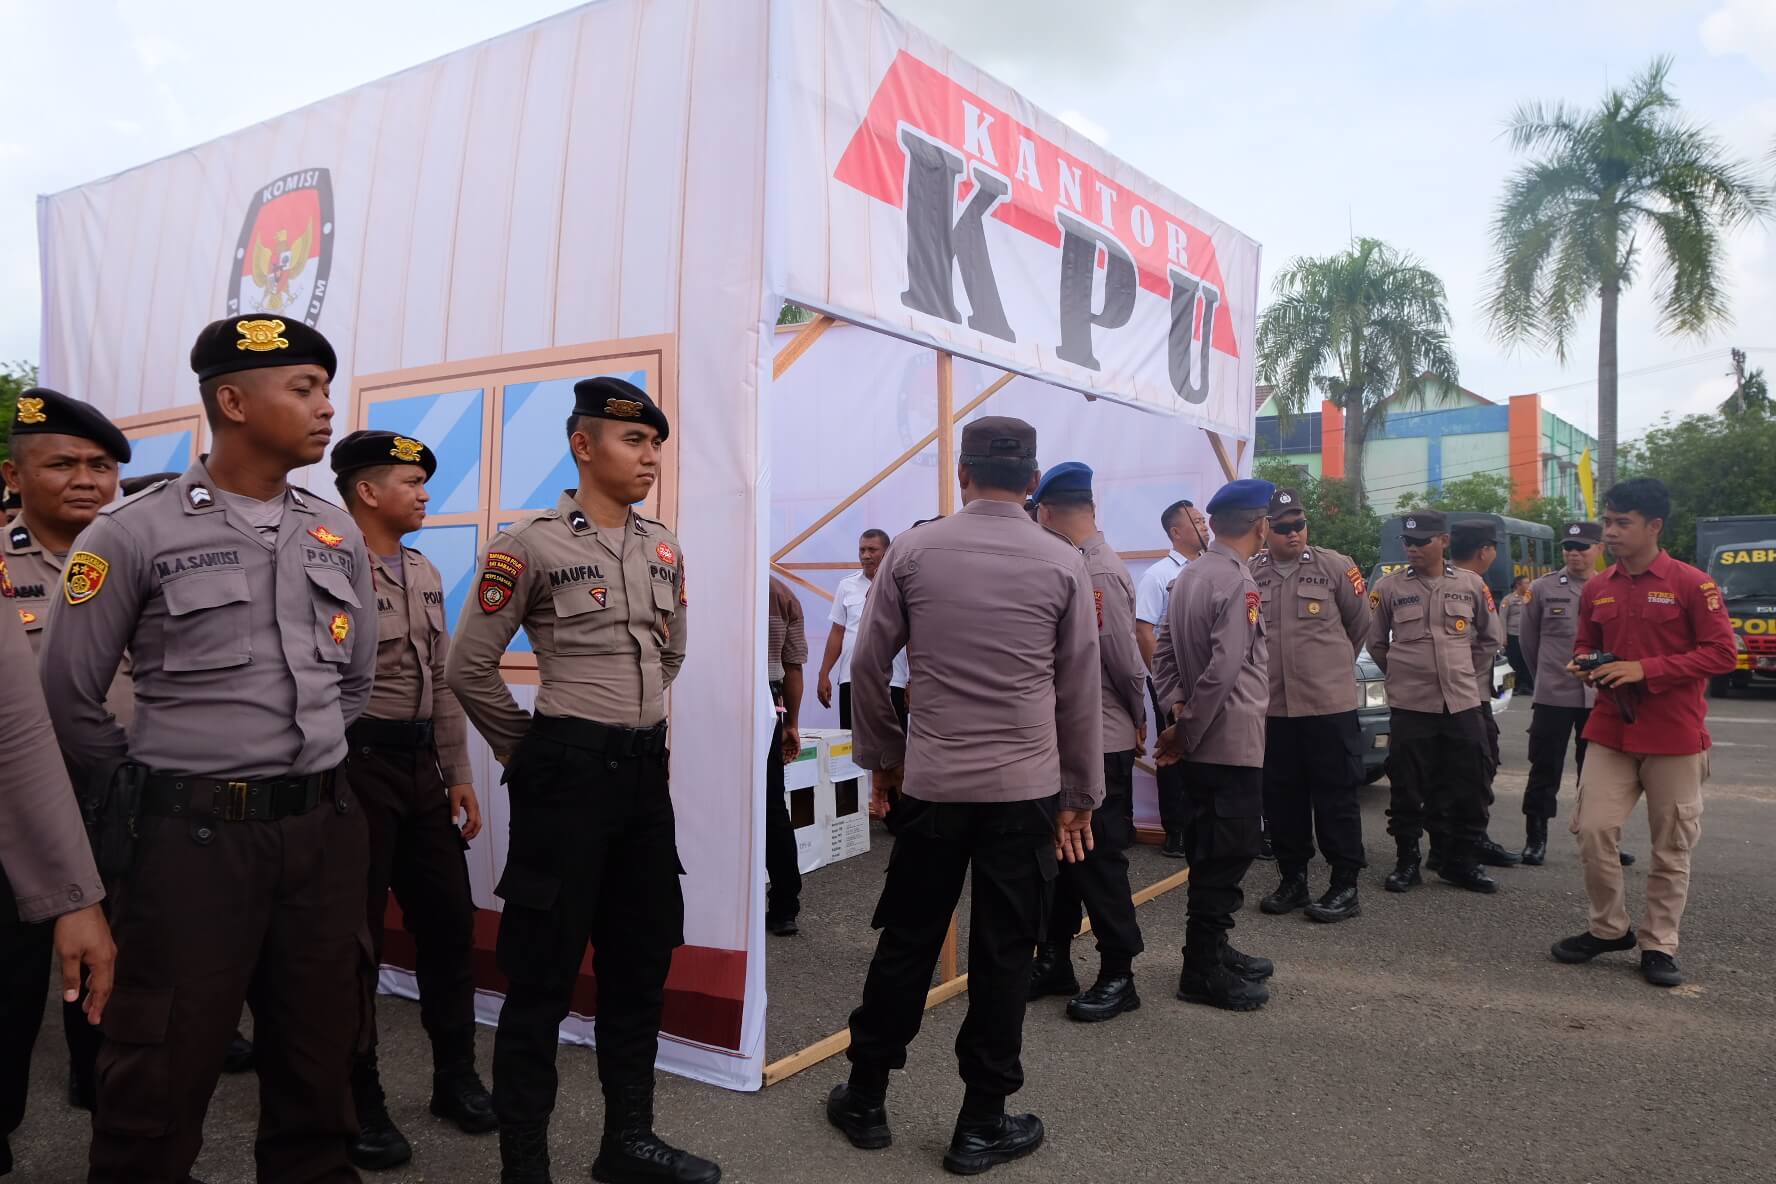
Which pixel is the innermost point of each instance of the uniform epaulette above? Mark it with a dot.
(526, 521)
(138, 495)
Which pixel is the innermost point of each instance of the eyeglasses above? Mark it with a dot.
(1294, 527)
(1575, 546)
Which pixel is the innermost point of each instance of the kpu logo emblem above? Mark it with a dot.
(285, 251)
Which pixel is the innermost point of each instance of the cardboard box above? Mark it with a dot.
(804, 771)
(836, 762)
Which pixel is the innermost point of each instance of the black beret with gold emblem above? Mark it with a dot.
(613, 398)
(233, 344)
(51, 413)
(362, 449)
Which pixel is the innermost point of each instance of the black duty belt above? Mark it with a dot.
(601, 738)
(265, 800)
(391, 733)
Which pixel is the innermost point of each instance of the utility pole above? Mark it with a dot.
(1738, 356)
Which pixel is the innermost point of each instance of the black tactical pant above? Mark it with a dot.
(1526, 679)
(592, 858)
(1099, 887)
(1549, 730)
(212, 914)
(1438, 777)
(24, 982)
(1010, 847)
(1222, 834)
(1313, 765)
(417, 850)
(784, 899)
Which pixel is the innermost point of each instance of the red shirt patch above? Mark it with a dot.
(1098, 595)
(499, 579)
(666, 553)
(323, 535)
(1252, 601)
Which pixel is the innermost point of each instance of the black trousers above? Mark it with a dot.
(1010, 848)
(24, 982)
(1438, 778)
(784, 899)
(1526, 679)
(592, 858)
(1313, 765)
(1222, 835)
(1099, 887)
(1549, 729)
(417, 851)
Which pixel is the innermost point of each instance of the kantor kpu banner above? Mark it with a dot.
(913, 192)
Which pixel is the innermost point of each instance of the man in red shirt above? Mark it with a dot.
(1666, 625)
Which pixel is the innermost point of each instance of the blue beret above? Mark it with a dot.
(1071, 476)
(1246, 494)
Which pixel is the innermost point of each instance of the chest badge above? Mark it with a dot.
(27, 617)
(83, 577)
(601, 597)
(326, 537)
(1313, 608)
(1461, 624)
(340, 628)
(666, 553)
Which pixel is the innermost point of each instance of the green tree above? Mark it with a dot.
(1753, 392)
(14, 378)
(1366, 328)
(1333, 519)
(1713, 465)
(794, 314)
(1609, 186)
(1477, 493)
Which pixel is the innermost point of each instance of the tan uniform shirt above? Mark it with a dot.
(1125, 675)
(997, 617)
(1511, 609)
(36, 579)
(1212, 661)
(1434, 639)
(1316, 619)
(250, 656)
(1550, 621)
(412, 647)
(43, 846)
(605, 613)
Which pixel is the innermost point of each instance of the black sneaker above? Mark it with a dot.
(1660, 969)
(1174, 847)
(978, 1145)
(1625, 858)
(1583, 947)
(864, 1123)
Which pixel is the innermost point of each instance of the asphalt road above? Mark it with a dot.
(1431, 1038)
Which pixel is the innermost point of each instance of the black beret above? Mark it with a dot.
(613, 398)
(42, 411)
(233, 344)
(362, 449)
(134, 485)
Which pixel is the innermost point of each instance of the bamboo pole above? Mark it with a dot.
(790, 354)
(1220, 447)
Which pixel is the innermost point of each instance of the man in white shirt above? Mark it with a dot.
(1187, 532)
(847, 611)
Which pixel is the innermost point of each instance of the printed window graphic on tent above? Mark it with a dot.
(535, 465)
(165, 452)
(450, 425)
(453, 550)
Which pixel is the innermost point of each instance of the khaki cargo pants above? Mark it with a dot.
(1609, 785)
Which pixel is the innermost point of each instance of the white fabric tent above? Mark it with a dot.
(634, 187)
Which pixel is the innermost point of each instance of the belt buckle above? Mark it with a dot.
(234, 801)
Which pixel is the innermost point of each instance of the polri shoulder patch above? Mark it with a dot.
(83, 576)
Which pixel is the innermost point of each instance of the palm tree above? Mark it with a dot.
(1363, 328)
(1608, 185)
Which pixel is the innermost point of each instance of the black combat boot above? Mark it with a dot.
(863, 1117)
(1535, 841)
(1216, 985)
(1406, 873)
(380, 1145)
(1113, 994)
(1434, 857)
(239, 1057)
(1290, 895)
(1175, 847)
(457, 1092)
(1492, 855)
(1052, 971)
(1461, 867)
(524, 1153)
(1248, 966)
(979, 1143)
(631, 1153)
(1340, 901)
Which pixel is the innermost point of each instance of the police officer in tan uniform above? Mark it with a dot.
(1099, 886)
(64, 461)
(1433, 628)
(50, 891)
(244, 603)
(409, 768)
(1002, 765)
(1211, 670)
(599, 590)
(1316, 619)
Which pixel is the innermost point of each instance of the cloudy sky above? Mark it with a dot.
(1299, 121)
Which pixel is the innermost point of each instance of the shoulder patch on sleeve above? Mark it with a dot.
(83, 576)
(1252, 602)
(1355, 577)
(1490, 606)
(1375, 597)
(499, 580)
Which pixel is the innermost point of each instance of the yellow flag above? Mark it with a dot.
(1588, 483)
